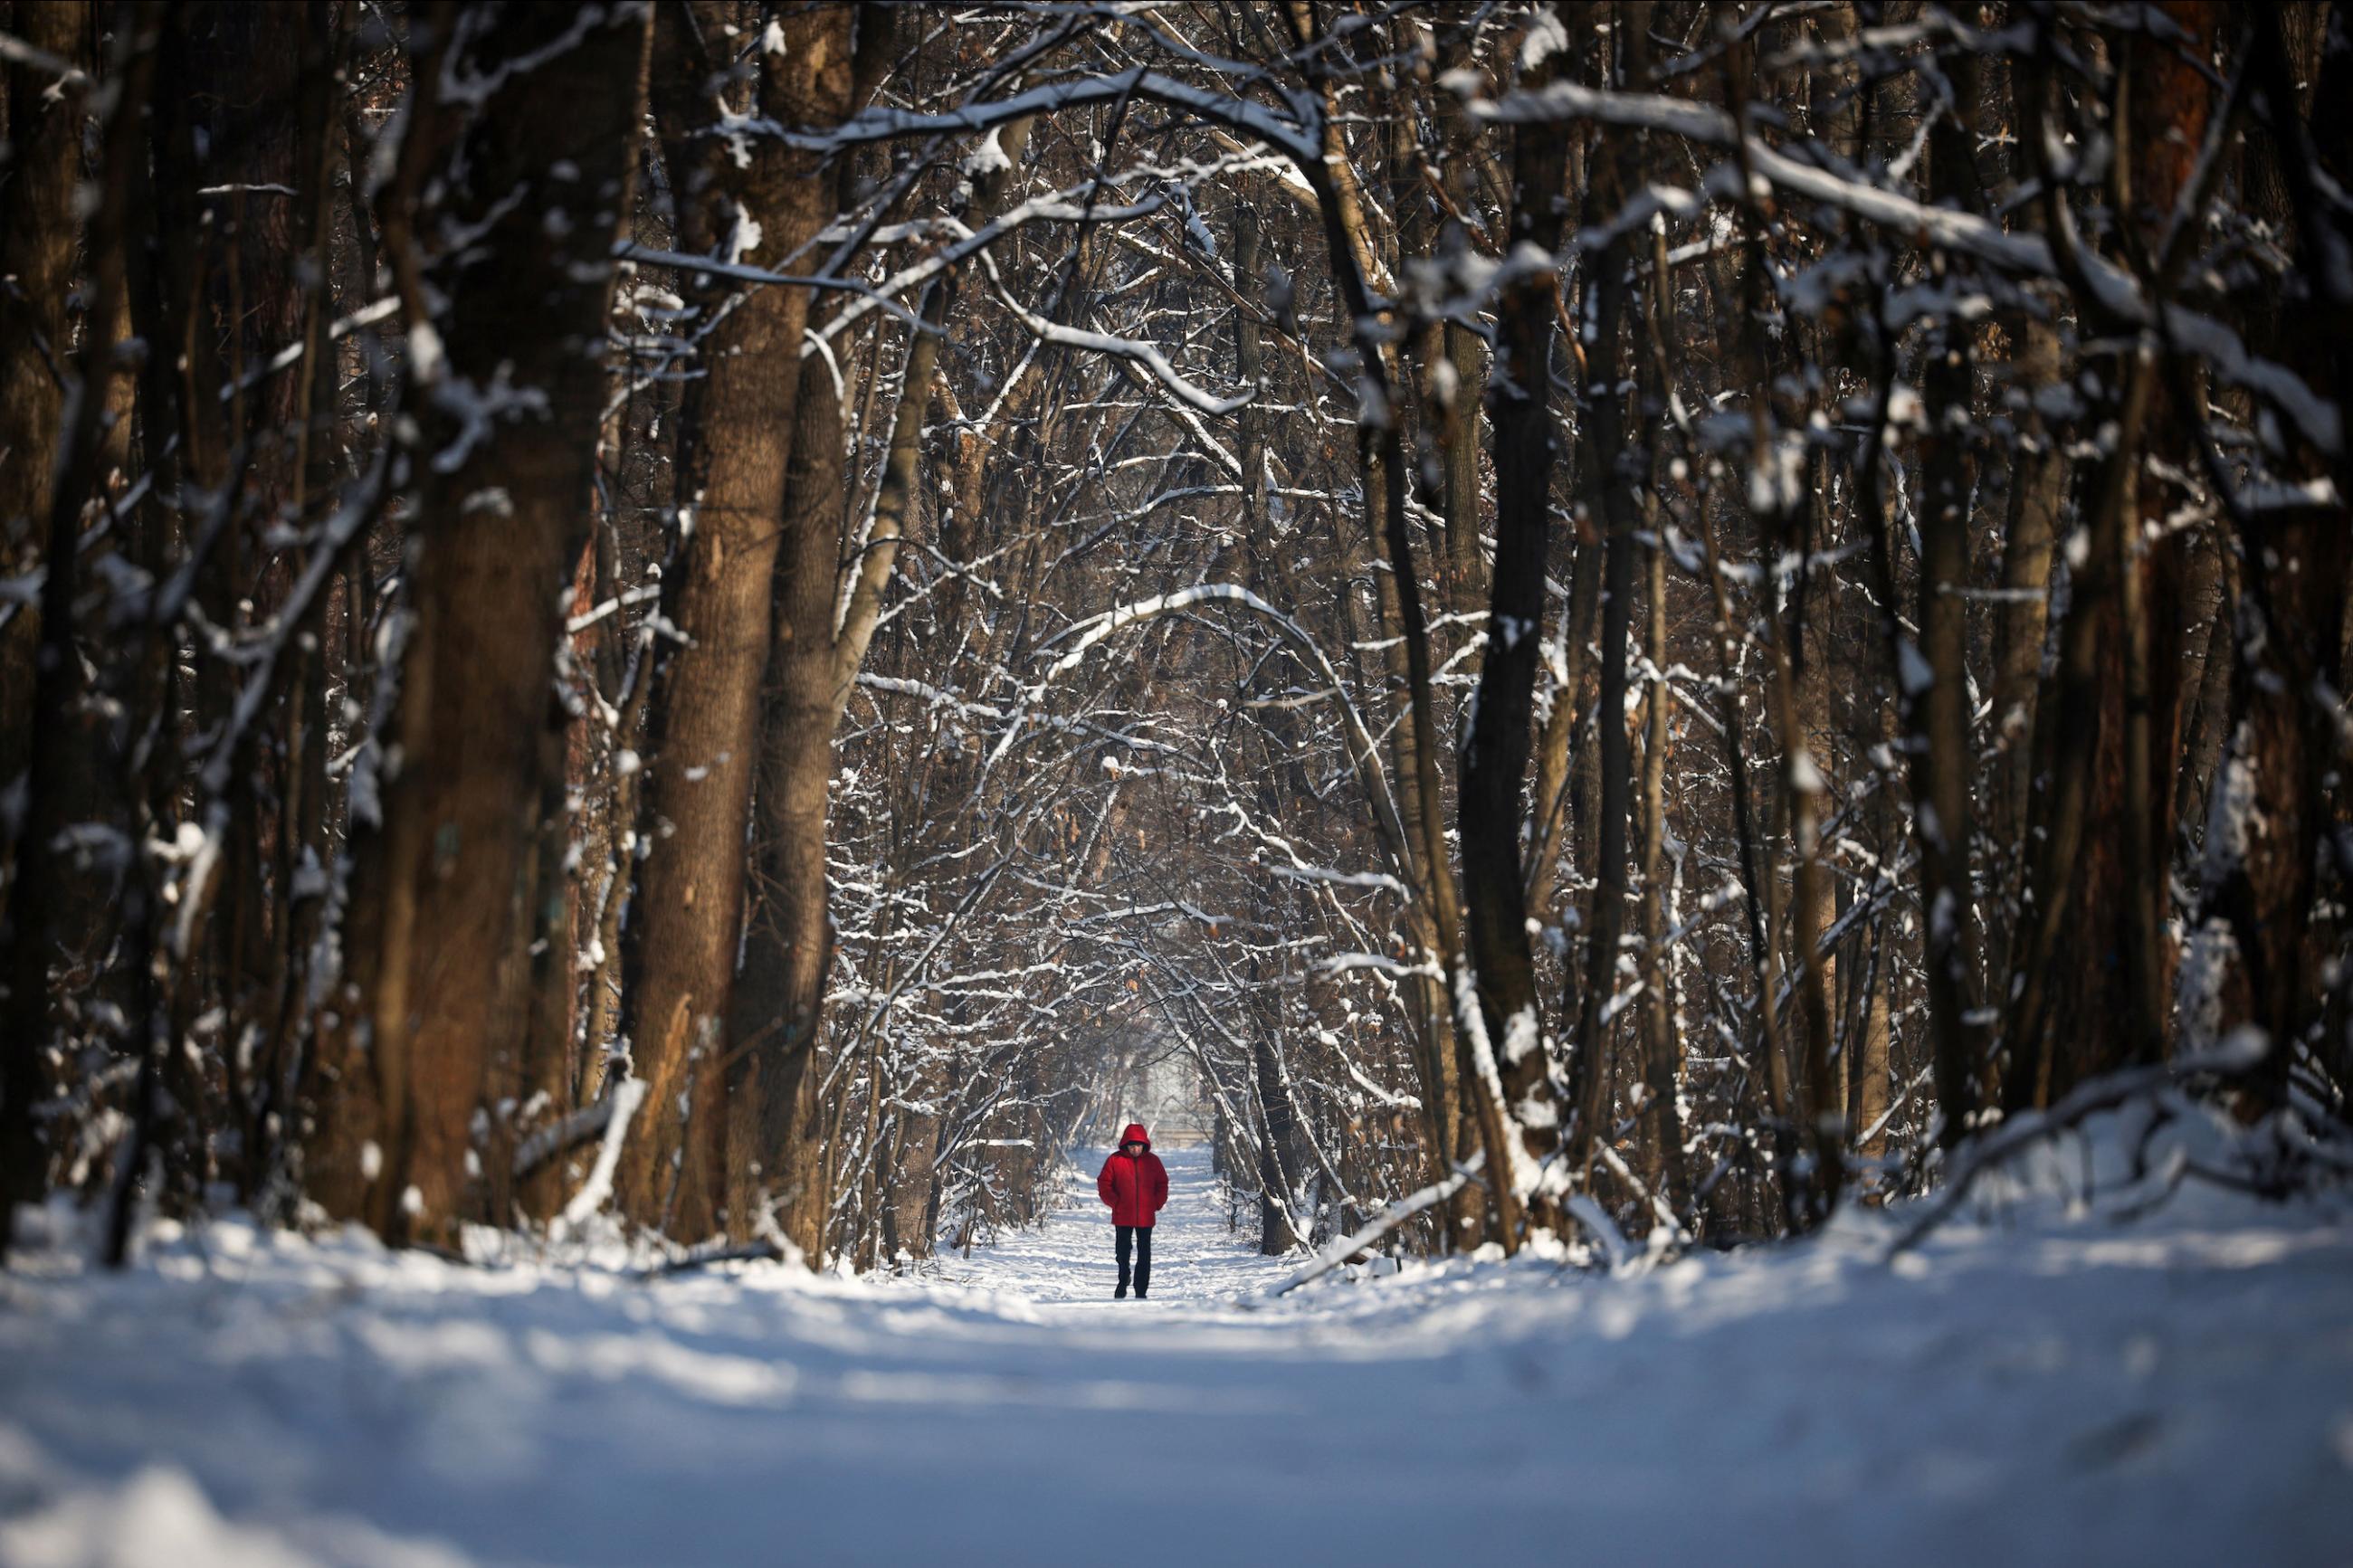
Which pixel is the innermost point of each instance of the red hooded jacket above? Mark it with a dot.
(1136, 1186)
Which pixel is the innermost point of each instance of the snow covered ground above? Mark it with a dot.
(2180, 1391)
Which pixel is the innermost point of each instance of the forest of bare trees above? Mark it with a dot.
(1596, 620)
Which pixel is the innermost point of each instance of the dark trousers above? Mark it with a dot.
(1139, 1236)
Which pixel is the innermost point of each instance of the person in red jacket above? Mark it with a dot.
(1136, 1184)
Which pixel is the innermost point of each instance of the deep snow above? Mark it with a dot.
(2025, 1389)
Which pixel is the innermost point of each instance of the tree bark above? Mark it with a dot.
(680, 966)
(545, 172)
(1615, 477)
(820, 639)
(57, 783)
(2254, 968)
(1661, 1046)
(1495, 757)
(37, 230)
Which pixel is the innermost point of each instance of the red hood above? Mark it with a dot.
(1134, 1134)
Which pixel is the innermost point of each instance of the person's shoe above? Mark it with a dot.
(1121, 1294)
(1139, 1295)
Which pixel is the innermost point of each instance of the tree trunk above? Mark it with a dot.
(2253, 967)
(37, 230)
(1662, 1047)
(1495, 758)
(789, 946)
(2091, 969)
(1280, 1229)
(1615, 479)
(813, 664)
(2038, 488)
(57, 784)
(502, 515)
(680, 962)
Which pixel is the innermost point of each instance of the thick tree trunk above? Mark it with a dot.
(789, 946)
(37, 231)
(2253, 967)
(2065, 939)
(2169, 103)
(820, 640)
(2092, 970)
(681, 963)
(57, 782)
(502, 515)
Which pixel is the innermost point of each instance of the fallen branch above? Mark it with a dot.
(2086, 1101)
(1396, 1215)
(562, 1135)
(703, 1257)
(624, 1101)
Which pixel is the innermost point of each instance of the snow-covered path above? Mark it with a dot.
(2181, 1392)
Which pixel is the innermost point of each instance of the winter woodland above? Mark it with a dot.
(1662, 679)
